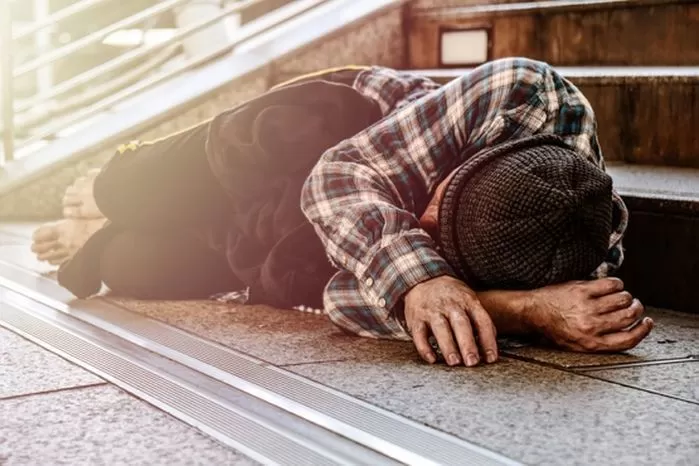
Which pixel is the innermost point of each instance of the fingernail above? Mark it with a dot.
(648, 321)
(471, 360)
(430, 358)
(490, 356)
(454, 359)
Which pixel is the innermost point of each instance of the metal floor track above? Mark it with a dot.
(267, 413)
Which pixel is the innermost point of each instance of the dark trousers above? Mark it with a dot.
(163, 199)
(166, 205)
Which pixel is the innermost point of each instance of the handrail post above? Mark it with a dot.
(7, 94)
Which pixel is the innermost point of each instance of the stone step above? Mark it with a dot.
(429, 4)
(561, 32)
(647, 115)
(662, 241)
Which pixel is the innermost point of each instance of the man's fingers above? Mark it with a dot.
(45, 233)
(604, 286)
(422, 344)
(623, 318)
(53, 255)
(625, 340)
(441, 329)
(45, 246)
(487, 334)
(463, 331)
(58, 260)
(615, 301)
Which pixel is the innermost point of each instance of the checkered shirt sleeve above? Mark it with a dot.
(365, 194)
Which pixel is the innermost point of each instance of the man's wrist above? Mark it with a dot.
(513, 312)
(398, 267)
(531, 316)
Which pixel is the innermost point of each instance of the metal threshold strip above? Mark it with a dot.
(272, 415)
(242, 422)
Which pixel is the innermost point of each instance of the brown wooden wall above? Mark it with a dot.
(641, 35)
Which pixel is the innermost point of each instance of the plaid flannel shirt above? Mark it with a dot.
(365, 195)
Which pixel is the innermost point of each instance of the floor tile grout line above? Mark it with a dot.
(631, 365)
(590, 376)
(605, 367)
(518, 357)
(308, 363)
(636, 387)
(54, 390)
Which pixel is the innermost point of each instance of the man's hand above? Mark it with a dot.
(593, 316)
(451, 311)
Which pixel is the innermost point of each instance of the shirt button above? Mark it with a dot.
(382, 302)
(369, 282)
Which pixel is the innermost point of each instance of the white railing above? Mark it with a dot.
(59, 106)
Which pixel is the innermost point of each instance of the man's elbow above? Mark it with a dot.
(314, 192)
(308, 200)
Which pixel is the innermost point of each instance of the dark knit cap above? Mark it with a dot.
(526, 214)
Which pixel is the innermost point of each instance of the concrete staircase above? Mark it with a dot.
(633, 60)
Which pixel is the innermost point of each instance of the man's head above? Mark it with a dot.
(525, 214)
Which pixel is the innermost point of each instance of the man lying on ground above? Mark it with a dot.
(455, 212)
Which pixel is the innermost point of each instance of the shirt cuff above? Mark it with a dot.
(396, 268)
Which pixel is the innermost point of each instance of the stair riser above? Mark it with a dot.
(650, 121)
(644, 35)
(662, 257)
(428, 4)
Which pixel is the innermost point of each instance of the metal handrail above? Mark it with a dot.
(97, 36)
(128, 57)
(6, 78)
(63, 14)
(61, 115)
(27, 121)
(246, 33)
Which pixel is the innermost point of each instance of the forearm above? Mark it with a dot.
(510, 311)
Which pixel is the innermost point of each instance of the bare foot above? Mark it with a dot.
(79, 200)
(56, 242)
(592, 316)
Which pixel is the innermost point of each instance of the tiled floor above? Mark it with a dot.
(55, 413)
(101, 425)
(535, 408)
(535, 414)
(525, 409)
(678, 380)
(26, 368)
